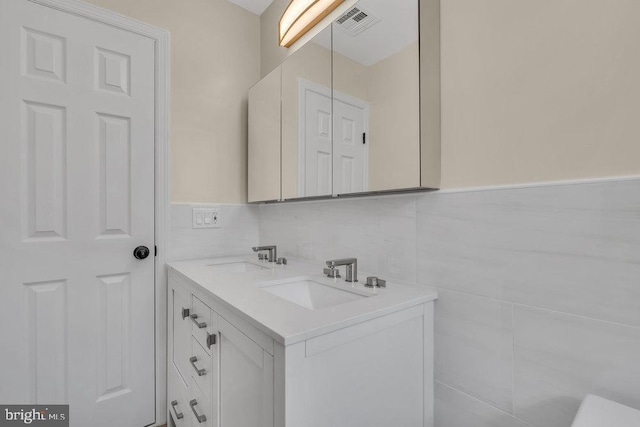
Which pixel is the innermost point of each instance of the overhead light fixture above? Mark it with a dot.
(301, 16)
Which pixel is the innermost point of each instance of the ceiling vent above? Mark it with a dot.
(357, 20)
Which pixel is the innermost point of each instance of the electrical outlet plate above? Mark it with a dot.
(206, 217)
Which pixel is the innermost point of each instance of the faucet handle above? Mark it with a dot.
(332, 272)
(271, 249)
(374, 282)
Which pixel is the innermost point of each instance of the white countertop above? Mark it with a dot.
(285, 321)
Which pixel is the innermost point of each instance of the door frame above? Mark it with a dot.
(161, 164)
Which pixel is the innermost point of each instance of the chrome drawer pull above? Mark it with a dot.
(185, 313)
(193, 361)
(211, 340)
(200, 325)
(179, 415)
(200, 418)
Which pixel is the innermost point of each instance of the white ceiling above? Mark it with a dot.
(255, 6)
(397, 29)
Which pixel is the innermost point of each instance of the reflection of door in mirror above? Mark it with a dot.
(376, 60)
(346, 159)
(314, 139)
(350, 154)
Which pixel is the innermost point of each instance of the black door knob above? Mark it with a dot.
(141, 252)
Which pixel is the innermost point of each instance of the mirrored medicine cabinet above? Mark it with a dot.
(356, 110)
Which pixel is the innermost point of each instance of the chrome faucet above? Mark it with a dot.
(350, 263)
(273, 254)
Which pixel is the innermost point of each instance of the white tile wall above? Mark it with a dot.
(560, 358)
(567, 248)
(474, 351)
(551, 270)
(379, 232)
(237, 235)
(456, 409)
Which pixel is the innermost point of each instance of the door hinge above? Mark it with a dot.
(156, 251)
(364, 137)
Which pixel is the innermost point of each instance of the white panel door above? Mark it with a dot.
(317, 165)
(349, 149)
(76, 187)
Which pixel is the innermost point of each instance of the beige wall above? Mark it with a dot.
(531, 90)
(539, 90)
(215, 59)
(272, 54)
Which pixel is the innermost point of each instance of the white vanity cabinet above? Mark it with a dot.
(227, 369)
(218, 376)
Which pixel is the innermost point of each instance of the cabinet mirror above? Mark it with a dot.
(358, 107)
(306, 120)
(376, 97)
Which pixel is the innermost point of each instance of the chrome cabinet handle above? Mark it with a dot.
(200, 325)
(201, 418)
(193, 361)
(179, 415)
(211, 340)
(185, 313)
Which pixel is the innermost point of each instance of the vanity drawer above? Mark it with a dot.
(201, 410)
(201, 322)
(178, 404)
(201, 368)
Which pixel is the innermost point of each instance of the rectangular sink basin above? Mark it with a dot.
(236, 267)
(311, 294)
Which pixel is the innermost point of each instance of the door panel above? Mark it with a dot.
(76, 181)
(317, 164)
(350, 157)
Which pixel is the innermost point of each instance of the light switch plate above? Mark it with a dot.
(206, 217)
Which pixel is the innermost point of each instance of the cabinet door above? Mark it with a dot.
(306, 120)
(264, 139)
(376, 97)
(245, 379)
(179, 330)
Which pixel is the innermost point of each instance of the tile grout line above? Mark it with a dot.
(480, 401)
(515, 304)
(415, 218)
(593, 319)
(513, 361)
